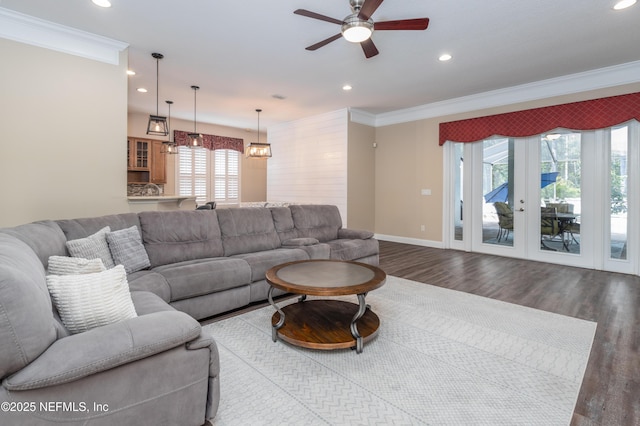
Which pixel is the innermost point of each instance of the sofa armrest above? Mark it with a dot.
(300, 242)
(354, 234)
(99, 349)
(213, 395)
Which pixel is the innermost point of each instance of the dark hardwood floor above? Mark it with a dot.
(610, 392)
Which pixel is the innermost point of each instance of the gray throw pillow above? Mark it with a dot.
(93, 247)
(127, 249)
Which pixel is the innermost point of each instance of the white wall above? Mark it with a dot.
(309, 163)
(63, 122)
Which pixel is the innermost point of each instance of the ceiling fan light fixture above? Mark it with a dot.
(623, 4)
(355, 30)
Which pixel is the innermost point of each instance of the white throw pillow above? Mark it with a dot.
(91, 300)
(63, 265)
(127, 249)
(92, 247)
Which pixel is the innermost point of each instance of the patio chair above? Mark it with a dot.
(505, 219)
(549, 226)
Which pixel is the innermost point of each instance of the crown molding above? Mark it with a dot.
(362, 117)
(601, 78)
(38, 32)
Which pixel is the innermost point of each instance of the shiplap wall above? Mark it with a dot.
(309, 163)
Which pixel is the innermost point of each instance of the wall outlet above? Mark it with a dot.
(425, 192)
(423, 228)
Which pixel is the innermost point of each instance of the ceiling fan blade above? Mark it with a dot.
(319, 44)
(404, 24)
(314, 15)
(368, 8)
(369, 48)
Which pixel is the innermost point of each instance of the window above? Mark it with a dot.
(226, 175)
(209, 175)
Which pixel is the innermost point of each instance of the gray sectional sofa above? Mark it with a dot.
(159, 367)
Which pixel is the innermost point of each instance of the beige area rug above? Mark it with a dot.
(441, 357)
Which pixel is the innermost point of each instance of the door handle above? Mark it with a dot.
(521, 209)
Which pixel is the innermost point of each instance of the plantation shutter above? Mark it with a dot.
(226, 175)
(193, 173)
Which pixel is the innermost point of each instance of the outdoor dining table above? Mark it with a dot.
(565, 220)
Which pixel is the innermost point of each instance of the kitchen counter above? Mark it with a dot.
(164, 199)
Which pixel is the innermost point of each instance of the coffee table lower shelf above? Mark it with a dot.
(324, 324)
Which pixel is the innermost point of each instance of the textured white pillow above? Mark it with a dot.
(91, 300)
(63, 265)
(127, 249)
(92, 247)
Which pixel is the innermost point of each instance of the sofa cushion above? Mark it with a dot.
(45, 238)
(88, 301)
(317, 221)
(283, 222)
(93, 247)
(353, 249)
(26, 318)
(181, 235)
(203, 276)
(103, 348)
(64, 265)
(261, 261)
(247, 230)
(150, 281)
(127, 249)
(83, 227)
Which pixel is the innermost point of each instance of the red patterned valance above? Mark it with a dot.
(585, 115)
(210, 141)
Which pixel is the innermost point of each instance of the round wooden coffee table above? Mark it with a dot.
(320, 323)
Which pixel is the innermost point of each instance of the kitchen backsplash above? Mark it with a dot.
(142, 189)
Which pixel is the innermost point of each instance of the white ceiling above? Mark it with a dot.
(241, 53)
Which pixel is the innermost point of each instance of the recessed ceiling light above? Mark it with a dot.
(444, 57)
(347, 87)
(131, 72)
(102, 3)
(623, 4)
(142, 90)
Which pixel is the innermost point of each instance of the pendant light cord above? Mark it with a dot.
(157, 84)
(258, 111)
(195, 90)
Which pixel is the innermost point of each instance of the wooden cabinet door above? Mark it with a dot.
(158, 169)
(139, 154)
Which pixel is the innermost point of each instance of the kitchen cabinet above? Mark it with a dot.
(145, 161)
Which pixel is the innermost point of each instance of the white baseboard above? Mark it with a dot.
(413, 241)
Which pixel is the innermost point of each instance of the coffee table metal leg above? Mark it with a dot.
(354, 327)
(280, 323)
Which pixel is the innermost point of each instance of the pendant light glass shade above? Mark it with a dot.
(195, 138)
(157, 123)
(257, 149)
(169, 147)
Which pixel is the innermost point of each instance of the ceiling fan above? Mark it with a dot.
(358, 27)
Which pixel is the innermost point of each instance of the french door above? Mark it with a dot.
(561, 197)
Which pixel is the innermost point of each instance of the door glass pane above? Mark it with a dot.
(618, 191)
(458, 171)
(497, 185)
(560, 186)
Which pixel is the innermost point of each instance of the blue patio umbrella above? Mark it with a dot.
(501, 192)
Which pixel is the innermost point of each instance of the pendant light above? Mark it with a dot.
(169, 147)
(195, 138)
(257, 149)
(157, 124)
